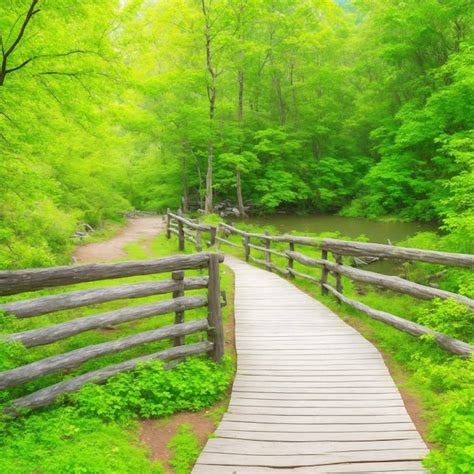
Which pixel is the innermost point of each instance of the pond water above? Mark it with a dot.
(375, 231)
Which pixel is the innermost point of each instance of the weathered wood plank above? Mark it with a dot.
(400, 467)
(297, 410)
(275, 448)
(363, 249)
(79, 356)
(390, 282)
(298, 437)
(17, 281)
(312, 460)
(76, 299)
(370, 427)
(452, 345)
(317, 419)
(48, 334)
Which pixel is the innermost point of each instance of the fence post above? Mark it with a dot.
(212, 238)
(168, 223)
(268, 255)
(291, 261)
(247, 248)
(199, 240)
(215, 234)
(178, 277)
(216, 333)
(181, 238)
(338, 276)
(324, 273)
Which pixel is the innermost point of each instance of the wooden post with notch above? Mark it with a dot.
(216, 331)
(212, 238)
(178, 277)
(338, 259)
(168, 223)
(268, 255)
(247, 247)
(324, 273)
(199, 240)
(291, 261)
(181, 237)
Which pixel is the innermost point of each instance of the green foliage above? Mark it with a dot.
(185, 446)
(151, 391)
(61, 441)
(451, 318)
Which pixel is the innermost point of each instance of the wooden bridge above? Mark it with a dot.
(310, 392)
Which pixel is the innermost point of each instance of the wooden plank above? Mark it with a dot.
(453, 345)
(276, 448)
(17, 281)
(312, 460)
(317, 419)
(320, 397)
(390, 282)
(400, 467)
(297, 410)
(298, 437)
(48, 334)
(370, 427)
(76, 299)
(75, 358)
(362, 249)
(298, 403)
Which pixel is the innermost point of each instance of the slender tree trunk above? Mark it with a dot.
(240, 200)
(241, 96)
(184, 184)
(211, 94)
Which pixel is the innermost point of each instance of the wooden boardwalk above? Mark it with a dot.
(311, 395)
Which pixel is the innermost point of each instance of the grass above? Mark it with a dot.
(185, 446)
(96, 430)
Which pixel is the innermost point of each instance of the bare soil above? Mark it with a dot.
(143, 229)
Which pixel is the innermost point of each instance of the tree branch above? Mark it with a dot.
(5, 54)
(29, 15)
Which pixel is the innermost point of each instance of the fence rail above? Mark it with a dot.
(183, 228)
(336, 268)
(14, 282)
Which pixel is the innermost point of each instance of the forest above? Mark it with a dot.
(347, 109)
(362, 108)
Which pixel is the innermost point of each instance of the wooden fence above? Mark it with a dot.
(14, 282)
(186, 229)
(342, 248)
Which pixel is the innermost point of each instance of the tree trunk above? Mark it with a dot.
(240, 200)
(241, 96)
(211, 94)
(184, 184)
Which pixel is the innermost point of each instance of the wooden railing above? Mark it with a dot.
(186, 229)
(14, 282)
(336, 268)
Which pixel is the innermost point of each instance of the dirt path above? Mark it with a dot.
(137, 229)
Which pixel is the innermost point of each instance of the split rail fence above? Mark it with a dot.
(337, 268)
(14, 282)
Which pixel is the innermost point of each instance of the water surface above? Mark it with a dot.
(375, 231)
